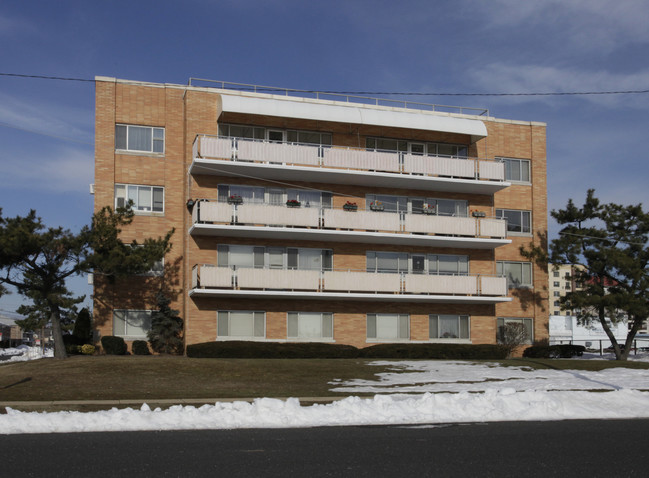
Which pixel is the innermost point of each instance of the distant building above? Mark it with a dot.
(11, 334)
(560, 282)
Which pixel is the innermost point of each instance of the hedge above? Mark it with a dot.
(113, 345)
(140, 347)
(244, 349)
(554, 351)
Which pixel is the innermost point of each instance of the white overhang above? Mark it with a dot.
(354, 114)
(302, 295)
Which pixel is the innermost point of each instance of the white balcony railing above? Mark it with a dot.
(211, 277)
(240, 149)
(323, 218)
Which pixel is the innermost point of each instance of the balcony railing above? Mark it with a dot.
(212, 277)
(337, 157)
(323, 218)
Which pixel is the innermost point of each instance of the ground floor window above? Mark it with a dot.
(131, 323)
(388, 326)
(528, 325)
(448, 326)
(238, 324)
(310, 325)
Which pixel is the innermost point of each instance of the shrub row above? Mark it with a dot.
(243, 349)
(554, 351)
(113, 345)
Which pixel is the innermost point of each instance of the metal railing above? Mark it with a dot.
(345, 97)
(208, 276)
(265, 215)
(350, 159)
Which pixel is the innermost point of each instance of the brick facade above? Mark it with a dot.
(185, 112)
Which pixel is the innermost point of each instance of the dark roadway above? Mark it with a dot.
(613, 448)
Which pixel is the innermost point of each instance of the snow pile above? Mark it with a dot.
(448, 376)
(493, 405)
(23, 353)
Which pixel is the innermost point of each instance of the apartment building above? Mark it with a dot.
(319, 217)
(560, 282)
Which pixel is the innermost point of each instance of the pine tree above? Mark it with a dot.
(166, 328)
(83, 327)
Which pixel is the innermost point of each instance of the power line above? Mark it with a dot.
(386, 93)
(599, 238)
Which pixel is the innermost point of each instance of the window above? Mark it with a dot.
(448, 326)
(310, 326)
(420, 149)
(568, 285)
(144, 139)
(440, 207)
(388, 326)
(517, 221)
(557, 293)
(249, 194)
(260, 257)
(144, 198)
(519, 274)
(237, 324)
(556, 273)
(557, 303)
(556, 283)
(131, 323)
(275, 135)
(528, 324)
(274, 196)
(517, 169)
(402, 262)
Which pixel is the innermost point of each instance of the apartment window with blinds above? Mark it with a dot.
(436, 206)
(241, 325)
(131, 324)
(448, 326)
(310, 326)
(260, 257)
(517, 170)
(517, 221)
(417, 148)
(143, 198)
(388, 327)
(145, 139)
(519, 274)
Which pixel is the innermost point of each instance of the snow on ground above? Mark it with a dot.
(507, 394)
(23, 353)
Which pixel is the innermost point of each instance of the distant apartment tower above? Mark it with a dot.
(314, 217)
(561, 281)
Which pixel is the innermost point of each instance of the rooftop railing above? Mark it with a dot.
(336, 96)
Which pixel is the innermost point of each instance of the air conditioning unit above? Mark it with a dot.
(92, 189)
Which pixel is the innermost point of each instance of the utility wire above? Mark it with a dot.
(599, 238)
(398, 93)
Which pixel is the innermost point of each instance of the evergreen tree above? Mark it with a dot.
(38, 261)
(609, 244)
(83, 327)
(166, 328)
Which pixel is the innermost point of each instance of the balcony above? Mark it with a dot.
(338, 225)
(339, 165)
(212, 281)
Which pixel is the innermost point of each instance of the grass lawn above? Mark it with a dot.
(109, 377)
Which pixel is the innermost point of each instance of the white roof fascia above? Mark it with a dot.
(354, 114)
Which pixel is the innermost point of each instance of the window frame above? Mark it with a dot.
(323, 317)
(229, 337)
(511, 285)
(501, 213)
(523, 320)
(126, 335)
(520, 161)
(460, 318)
(134, 207)
(401, 320)
(152, 148)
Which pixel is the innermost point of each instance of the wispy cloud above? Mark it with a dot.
(594, 25)
(50, 119)
(62, 171)
(11, 26)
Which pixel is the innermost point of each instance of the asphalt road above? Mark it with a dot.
(589, 448)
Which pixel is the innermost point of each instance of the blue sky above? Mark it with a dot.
(452, 46)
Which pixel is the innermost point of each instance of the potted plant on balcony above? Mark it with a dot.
(350, 206)
(293, 203)
(478, 214)
(428, 208)
(376, 206)
(235, 199)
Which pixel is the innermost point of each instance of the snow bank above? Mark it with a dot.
(23, 353)
(493, 405)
